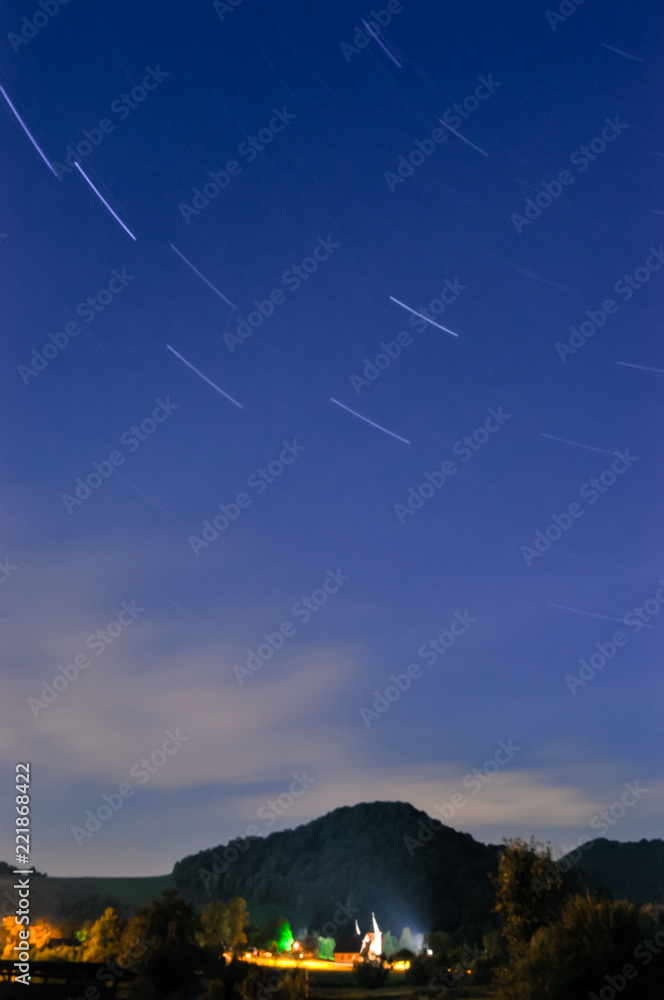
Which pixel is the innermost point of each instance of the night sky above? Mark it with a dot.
(526, 223)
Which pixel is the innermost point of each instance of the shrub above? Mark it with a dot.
(370, 975)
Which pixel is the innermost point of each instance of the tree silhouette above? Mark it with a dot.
(174, 957)
(529, 891)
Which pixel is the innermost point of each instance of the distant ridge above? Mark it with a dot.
(633, 870)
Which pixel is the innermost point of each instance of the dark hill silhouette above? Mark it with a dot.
(633, 870)
(357, 855)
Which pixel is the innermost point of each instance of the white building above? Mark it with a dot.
(372, 944)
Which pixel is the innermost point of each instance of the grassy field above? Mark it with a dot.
(47, 895)
(133, 891)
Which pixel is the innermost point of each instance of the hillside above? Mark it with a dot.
(633, 870)
(356, 855)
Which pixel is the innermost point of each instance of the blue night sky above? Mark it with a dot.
(345, 178)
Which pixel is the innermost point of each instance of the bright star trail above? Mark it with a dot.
(25, 129)
(426, 318)
(374, 35)
(103, 200)
(367, 421)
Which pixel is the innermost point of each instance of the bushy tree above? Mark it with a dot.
(570, 957)
(224, 928)
(529, 891)
(40, 933)
(425, 967)
(439, 942)
(326, 948)
(135, 941)
(216, 927)
(238, 919)
(174, 956)
(390, 944)
(422, 970)
(103, 942)
(494, 954)
(172, 920)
